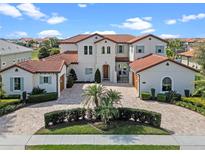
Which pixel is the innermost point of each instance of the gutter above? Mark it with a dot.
(57, 83)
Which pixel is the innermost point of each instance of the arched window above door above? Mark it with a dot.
(166, 84)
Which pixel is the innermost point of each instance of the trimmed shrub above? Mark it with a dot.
(97, 76)
(14, 96)
(153, 93)
(172, 96)
(73, 74)
(194, 100)
(187, 93)
(145, 96)
(140, 116)
(161, 97)
(63, 116)
(70, 82)
(42, 97)
(9, 105)
(38, 90)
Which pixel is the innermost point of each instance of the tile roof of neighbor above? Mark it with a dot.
(118, 38)
(10, 48)
(152, 60)
(39, 66)
(70, 57)
(189, 53)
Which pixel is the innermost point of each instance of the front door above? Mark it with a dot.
(105, 71)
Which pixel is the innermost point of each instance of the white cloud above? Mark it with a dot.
(148, 30)
(9, 10)
(135, 24)
(147, 18)
(169, 35)
(186, 18)
(82, 5)
(55, 19)
(31, 10)
(18, 34)
(171, 21)
(49, 33)
(101, 32)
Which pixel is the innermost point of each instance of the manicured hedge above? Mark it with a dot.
(42, 97)
(138, 115)
(62, 116)
(9, 105)
(194, 100)
(14, 96)
(194, 107)
(146, 96)
(141, 116)
(161, 97)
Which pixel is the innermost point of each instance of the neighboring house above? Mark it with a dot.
(46, 74)
(111, 54)
(187, 58)
(162, 74)
(11, 53)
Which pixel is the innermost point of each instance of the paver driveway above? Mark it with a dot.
(29, 119)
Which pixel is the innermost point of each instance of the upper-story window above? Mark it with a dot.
(120, 49)
(103, 50)
(140, 49)
(85, 50)
(90, 50)
(159, 49)
(108, 50)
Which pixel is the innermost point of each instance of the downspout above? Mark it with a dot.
(139, 85)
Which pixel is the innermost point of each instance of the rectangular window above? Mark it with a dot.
(140, 49)
(108, 50)
(90, 50)
(85, 50)
(17, 83)
(45, 79)
(120, 49)
(88, 71)
(159, 49)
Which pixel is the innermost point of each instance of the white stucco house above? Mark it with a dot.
(121, 58)
(11, 53)
(162, 74)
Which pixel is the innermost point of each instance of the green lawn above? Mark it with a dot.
(102, 147)
(4, 102)
(35, 54)
(117, 128)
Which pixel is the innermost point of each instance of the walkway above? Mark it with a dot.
(20, 141)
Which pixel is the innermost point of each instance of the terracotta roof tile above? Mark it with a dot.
(70, 57)
(152, 60)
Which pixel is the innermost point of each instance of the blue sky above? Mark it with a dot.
(65, 20)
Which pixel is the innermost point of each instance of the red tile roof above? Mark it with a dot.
(117, 38)
(39, 66)
(152, 60)
(70, 57)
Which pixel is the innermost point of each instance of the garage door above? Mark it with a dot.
(135, 80)
(62, 82)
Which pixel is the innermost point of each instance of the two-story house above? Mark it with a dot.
(111, 54)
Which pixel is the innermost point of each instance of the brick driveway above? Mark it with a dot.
(29, 119)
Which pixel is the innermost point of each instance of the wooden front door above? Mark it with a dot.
(105, 71)
(62, 81)
(135, 80)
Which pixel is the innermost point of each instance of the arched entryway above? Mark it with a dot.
(106, 72)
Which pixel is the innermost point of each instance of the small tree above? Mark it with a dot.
(43, 52)
(70, 82)
(172, 47)
(114, 95)
(2, 92)
(97, 76)
(199, 56)
(73, 74)
(54, 51)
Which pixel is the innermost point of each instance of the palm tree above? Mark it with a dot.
(93, 94)
(106, 110)
(114, 95)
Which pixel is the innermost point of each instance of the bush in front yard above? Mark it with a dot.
(70, 82)
(42, 97)
(14, 96)
(146, 96)
(61, 116)
(97, 76)
(140, 116)
(161, 97)
(38, 90)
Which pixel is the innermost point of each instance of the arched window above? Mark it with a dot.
(108, 50)
(103, 50)
(166, 84)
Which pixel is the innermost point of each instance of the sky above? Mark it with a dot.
(65, 20)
